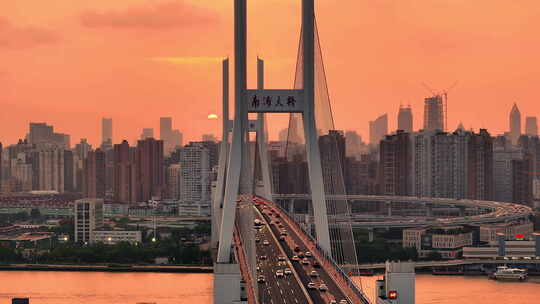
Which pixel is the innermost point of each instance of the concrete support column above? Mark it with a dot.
(461, 211)
(291, 207)
(501, 241)
(536, 238)
(371, 235)
(389, 206)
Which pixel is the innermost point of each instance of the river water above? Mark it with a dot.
(164, 288)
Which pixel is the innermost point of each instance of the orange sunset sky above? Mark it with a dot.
(71, 62)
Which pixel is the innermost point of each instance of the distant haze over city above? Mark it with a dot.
(71, 63)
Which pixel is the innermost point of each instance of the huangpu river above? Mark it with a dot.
(177, 288)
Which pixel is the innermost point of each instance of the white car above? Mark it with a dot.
(323, 287)
(305, 261)
(287, 271)
(266, 243)
(308, 254)
(313, 274)
(279, 273)
(281, 258)
(343, 302)
(311, 285)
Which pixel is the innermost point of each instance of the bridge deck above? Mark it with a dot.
(338, 283)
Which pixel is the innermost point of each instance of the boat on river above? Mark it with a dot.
(512, 274)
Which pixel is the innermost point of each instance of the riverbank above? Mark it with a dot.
(109, 268)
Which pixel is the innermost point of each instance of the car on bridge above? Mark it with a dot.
(281, 258)
(305, 261)
(261, 279)
(323, 287)
(280, 273)
(313, 274)
(287, 271)
(266, 243)
(311, 285)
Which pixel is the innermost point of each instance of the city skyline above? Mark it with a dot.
(151, 78)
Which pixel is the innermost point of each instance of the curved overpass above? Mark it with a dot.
(494, 212)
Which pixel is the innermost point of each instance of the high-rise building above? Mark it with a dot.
(106, 130)
(354, 146)
(39, 133)
(522, 180)
(405, 119)
(150, 169)
(434, 113)
(125, 173)
(209, 137)
(88, 215)
(177, 139)
(94, 179)
(480, 166)
(69, 171)
(361, 175)
(453, 165)
(48, 169)
(531, 126)
(174, 173)
(378, 129)
(332, 147)
(531, 144)
(515, 124)
(511, 175)
(166, 133)
(195, 184)
(147, 133)
(42, 135)
(395, 164)
(82, 149)
(22, 171)
(165, 127)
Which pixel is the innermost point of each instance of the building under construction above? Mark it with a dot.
(435, 113)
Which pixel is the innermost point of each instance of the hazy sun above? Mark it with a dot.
(212, 116)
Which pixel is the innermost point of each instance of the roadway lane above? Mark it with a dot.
(275, 290)
(292, 240)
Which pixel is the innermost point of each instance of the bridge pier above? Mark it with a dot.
(461, 211)
(228, 285)
(399, 280)
(290, 207)
(371, 234)
(389, 207)
(429, 210)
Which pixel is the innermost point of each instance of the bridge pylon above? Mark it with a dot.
(236, 176)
